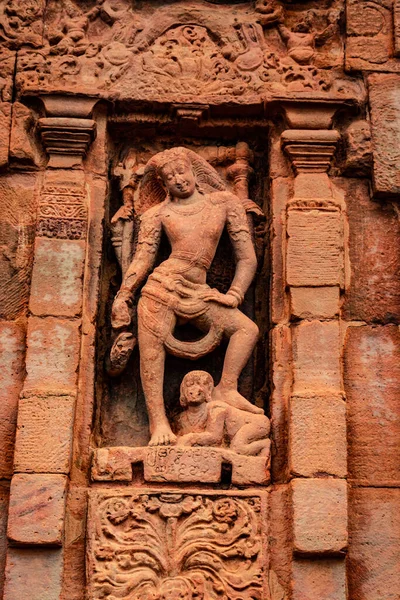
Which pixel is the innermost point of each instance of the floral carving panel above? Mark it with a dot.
(191, 546)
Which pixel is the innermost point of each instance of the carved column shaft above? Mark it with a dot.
(316, 413)
(47, 404)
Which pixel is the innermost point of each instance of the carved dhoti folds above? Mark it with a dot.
(168, 297)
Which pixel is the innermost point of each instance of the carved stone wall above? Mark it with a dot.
(137, 139)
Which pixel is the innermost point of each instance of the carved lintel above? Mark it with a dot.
(68, 137)
(190, 113)
(310, 150)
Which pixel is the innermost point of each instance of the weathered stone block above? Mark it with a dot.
(314, 252)
(319, 515)
(317, 579)
(373, 293)
(314, 302)
(5, 126)
(52, 354)
(280, 194)
(372, 383)
(384, 90)
(4, 500)
(318, 444)
(316, 354)
(17, 232)
(374, 544)
(12, 372)
(369, 39)
(44, 434)
(37, 505)
(34, 573)
(57, 277)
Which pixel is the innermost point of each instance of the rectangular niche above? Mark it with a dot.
(121, 411)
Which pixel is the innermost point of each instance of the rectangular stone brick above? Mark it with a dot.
(57, 277)
(314, 302)
(322, 579)
(318, 444)
(384, 94)
(374, 252)
(314, 251)
(5, 127)
(52, 354)
(372, 383)
(4, 500)
(37, 506)
(12, 372)
(316, 354)
(319, 515)
(44, 434)
(370, 33)
(280, 194)
(374, 544)
(34, 574)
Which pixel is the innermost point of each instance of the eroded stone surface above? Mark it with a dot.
(374, 550)
(372, 376)
(37, 505)
(319, 515)
(34, 573)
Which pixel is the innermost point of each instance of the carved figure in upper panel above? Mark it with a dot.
(183, 196)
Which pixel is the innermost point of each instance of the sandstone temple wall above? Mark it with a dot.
(288, 113)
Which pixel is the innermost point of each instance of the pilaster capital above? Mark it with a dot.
(66, 137)
(310, 151)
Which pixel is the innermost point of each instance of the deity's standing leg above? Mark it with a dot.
(152, 364)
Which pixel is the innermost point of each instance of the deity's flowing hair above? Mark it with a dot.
(201, 377)
(152, 190)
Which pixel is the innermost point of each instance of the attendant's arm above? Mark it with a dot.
(245, 256)
(213, 435)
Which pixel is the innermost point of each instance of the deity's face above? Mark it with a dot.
(195, 394)
(179, 178)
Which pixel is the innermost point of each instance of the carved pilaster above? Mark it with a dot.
(47, 405)
(310, 151)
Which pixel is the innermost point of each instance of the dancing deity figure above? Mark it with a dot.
(189, 202)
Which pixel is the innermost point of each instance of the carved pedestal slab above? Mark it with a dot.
(191, 545)
(179, 465)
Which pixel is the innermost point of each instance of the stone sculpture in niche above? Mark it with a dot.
(205, 422)
(187, 200)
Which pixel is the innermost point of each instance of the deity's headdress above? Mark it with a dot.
(152, 191)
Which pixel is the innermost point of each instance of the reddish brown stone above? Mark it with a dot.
(374, 544)
(385, 105)
(57, 277)
(372, 383)
(37, 506)
(316, 357)
(318, 436)
(319, 515)
(44, 434)
(374, 253)
(5, 126)
(34, 573)
(12, 353)
(4, 500)
(323, 578)
(52, 354)
(314, 302)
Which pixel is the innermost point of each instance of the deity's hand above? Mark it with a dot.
(122, 310)
(213, 295)
(124, 213)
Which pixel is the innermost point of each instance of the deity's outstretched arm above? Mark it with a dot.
(245, 256)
